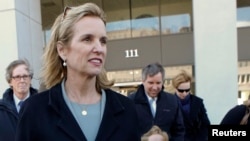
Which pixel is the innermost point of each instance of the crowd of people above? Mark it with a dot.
(77, 102)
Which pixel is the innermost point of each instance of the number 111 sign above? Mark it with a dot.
(131, 53)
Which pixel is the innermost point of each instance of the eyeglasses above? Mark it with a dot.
(183, 90)
(18, 77)
(65, 12)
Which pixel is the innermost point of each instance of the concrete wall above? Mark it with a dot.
(21, 36)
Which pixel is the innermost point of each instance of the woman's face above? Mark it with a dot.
(87, 50)
(183, 90)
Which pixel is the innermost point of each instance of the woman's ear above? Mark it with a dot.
(61, 50)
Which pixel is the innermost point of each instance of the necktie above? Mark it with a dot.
(20, 105)
(152, 103)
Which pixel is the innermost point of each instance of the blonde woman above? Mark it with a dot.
(78, 104)
(193, 109)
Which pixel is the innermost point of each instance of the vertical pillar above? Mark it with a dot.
(216, 58)
(21, 36)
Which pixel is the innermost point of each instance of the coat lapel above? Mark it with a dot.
(68, 124)
(66, 121)
(109, 123)
(71, 128)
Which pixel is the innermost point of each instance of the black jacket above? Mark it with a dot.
(197, 121)
(9, 116)
(168, 114)
(235, 115)
(46, 117)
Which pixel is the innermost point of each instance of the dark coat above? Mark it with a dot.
(197, 122)
(234, 115)
(46, 117)
(168, 114)
(9, 116)
(8, 121)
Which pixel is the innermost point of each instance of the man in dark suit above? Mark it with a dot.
(164, 110)
(18, 75)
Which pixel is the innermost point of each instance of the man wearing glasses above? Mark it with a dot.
(18, 75)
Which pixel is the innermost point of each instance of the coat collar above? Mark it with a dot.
(140, 95)
(9, 98)
(67, 122)
(109, 124)
(8, 94)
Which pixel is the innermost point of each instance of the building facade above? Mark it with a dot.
(208, 39)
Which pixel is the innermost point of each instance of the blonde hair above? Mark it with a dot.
(53, 71)
(155, 130)
(247, 102)
(182, 77)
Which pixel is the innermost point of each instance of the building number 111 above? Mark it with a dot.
(131, 53)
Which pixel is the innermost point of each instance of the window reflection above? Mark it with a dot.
(118, 18)
(176, 16)
(125, 76)
(243, 80)
(243, 13)
(128, 19)
(243, 17)
(145, 18)
(145, 26)
(176, 24)
(119, 29)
